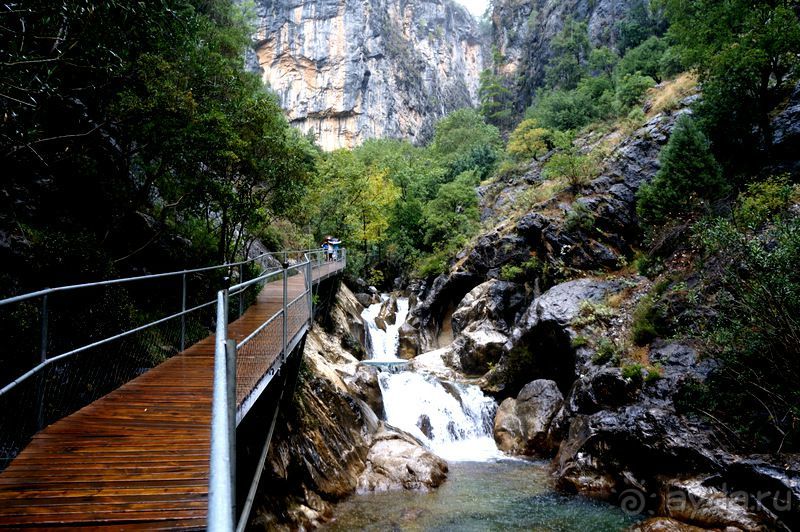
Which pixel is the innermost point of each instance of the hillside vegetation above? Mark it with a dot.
(133, 140)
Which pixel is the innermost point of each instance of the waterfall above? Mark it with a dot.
(453, 420)
(382, 345)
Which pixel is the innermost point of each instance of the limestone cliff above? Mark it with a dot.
(349, 70)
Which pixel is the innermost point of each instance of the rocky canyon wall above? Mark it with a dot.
(350, 70)
(523, 30)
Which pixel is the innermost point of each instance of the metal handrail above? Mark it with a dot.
(221, 505)
(46, 360)
(22, 378)
(64, 288)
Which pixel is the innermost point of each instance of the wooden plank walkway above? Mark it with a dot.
(138, 457)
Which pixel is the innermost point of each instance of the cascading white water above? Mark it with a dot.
(382, 345)
(454, 420)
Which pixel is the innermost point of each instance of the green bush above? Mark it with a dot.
(529, 141)
(644, 60)
(633, 371)
(644, 328)
(631, 90)
(577, 170)
(762, 200)
(579, 341)
(512, 273)
(453, 213)
(432, 265)
(607, 351)
(755, 332)
(580, 218)
(590, 313)
(689, 176)
(653, 373)
(562, 110)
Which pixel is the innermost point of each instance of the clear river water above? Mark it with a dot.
(485, 489)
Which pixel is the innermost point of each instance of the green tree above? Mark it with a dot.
(142, 111)
(562, 110)
(496, 100)
(576, 169)
(453, 214)
(640, 23)
(529, 141)
(460, 132)
(689, 177)
(602, 61)
(745, 53)
(631, 90)
(644, 60)
(570, 53)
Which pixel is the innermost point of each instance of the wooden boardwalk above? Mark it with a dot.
(138, 458)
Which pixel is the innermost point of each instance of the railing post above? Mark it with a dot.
(183, 310)
(285, 308)
(241, 292)
(309, 287)
(42, 358)
(220, 488)
(230, 357)
(43, 339)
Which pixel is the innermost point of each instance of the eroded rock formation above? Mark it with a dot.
(348, 70)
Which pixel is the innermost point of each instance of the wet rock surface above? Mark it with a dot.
(329, 441)
(522, 425)
(434, 363)
(699, 501)
(408, 345)
(665, 524)
(387, 315)
(786, 126)
(363, 384)
(398, 461)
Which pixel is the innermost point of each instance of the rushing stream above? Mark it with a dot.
(382, 345)
(452, 419)
(485, 489)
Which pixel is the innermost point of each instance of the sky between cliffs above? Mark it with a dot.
(476, 7)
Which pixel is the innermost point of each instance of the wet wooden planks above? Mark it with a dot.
(137, 458)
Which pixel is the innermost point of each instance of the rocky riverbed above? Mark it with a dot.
(553, 341)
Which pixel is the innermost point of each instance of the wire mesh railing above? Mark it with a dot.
(243, 369)
(68, 346)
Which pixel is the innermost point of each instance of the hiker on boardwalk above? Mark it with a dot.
(335, 243)
(327, 249)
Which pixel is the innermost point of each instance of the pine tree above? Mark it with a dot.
(496, 100)
(689, 176)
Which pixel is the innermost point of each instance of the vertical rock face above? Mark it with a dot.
(349, 70)
(523, 30)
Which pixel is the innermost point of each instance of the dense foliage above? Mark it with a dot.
(746, 53)
(134, 138)
(755, 333)
(404, 208)
(711, 182)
